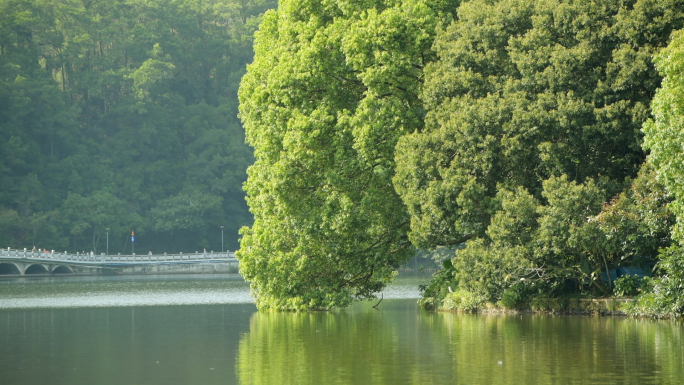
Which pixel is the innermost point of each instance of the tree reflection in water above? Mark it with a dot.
(400, 344)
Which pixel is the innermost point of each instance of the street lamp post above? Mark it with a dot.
(107, 240)
(222, 227)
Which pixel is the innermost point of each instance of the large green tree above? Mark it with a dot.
(664, 133)
(543, 100)
(523, 91)
(663, 136)
(333, 87)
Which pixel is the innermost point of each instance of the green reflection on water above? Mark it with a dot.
(95, 331)
(399, 344)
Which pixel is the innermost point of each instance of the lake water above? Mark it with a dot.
(205, 330)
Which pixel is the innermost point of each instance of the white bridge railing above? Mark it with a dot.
(118, 258)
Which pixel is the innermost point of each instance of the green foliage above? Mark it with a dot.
(185, 211)
(636, 223)
(533, 244)
(463, 300)
(443, 281)
(439, 254)
(124, 105)
(533, 116)
(566, 245)
(516, 297)
(662, 297)
(627, 286)
(88, 217)
(333, 87)
(663, 135)
(663, 138)
(523, 91)
(544, 247)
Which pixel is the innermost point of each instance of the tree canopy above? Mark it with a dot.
(525, 91)
(332, 88)
(534, 120)
(663, 137)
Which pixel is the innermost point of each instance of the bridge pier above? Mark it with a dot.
(30, 268)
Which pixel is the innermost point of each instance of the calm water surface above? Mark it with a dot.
(205, 330)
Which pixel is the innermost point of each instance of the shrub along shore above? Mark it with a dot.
(561, 306)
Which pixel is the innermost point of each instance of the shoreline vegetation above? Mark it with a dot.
(554, 306)
(534, 145)
(613, 306)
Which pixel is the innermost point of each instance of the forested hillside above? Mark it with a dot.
(123, 115)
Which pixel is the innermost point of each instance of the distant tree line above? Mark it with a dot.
(513, 129)
(122, 114)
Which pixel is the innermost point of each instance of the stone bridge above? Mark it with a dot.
(26, 262)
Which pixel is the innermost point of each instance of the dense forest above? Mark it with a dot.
(122, 114)
(522, 135)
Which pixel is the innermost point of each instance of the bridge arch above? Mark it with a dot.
(36, 269)
(61, 269)
(8, 268)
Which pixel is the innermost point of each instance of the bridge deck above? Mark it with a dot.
(118, 259)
